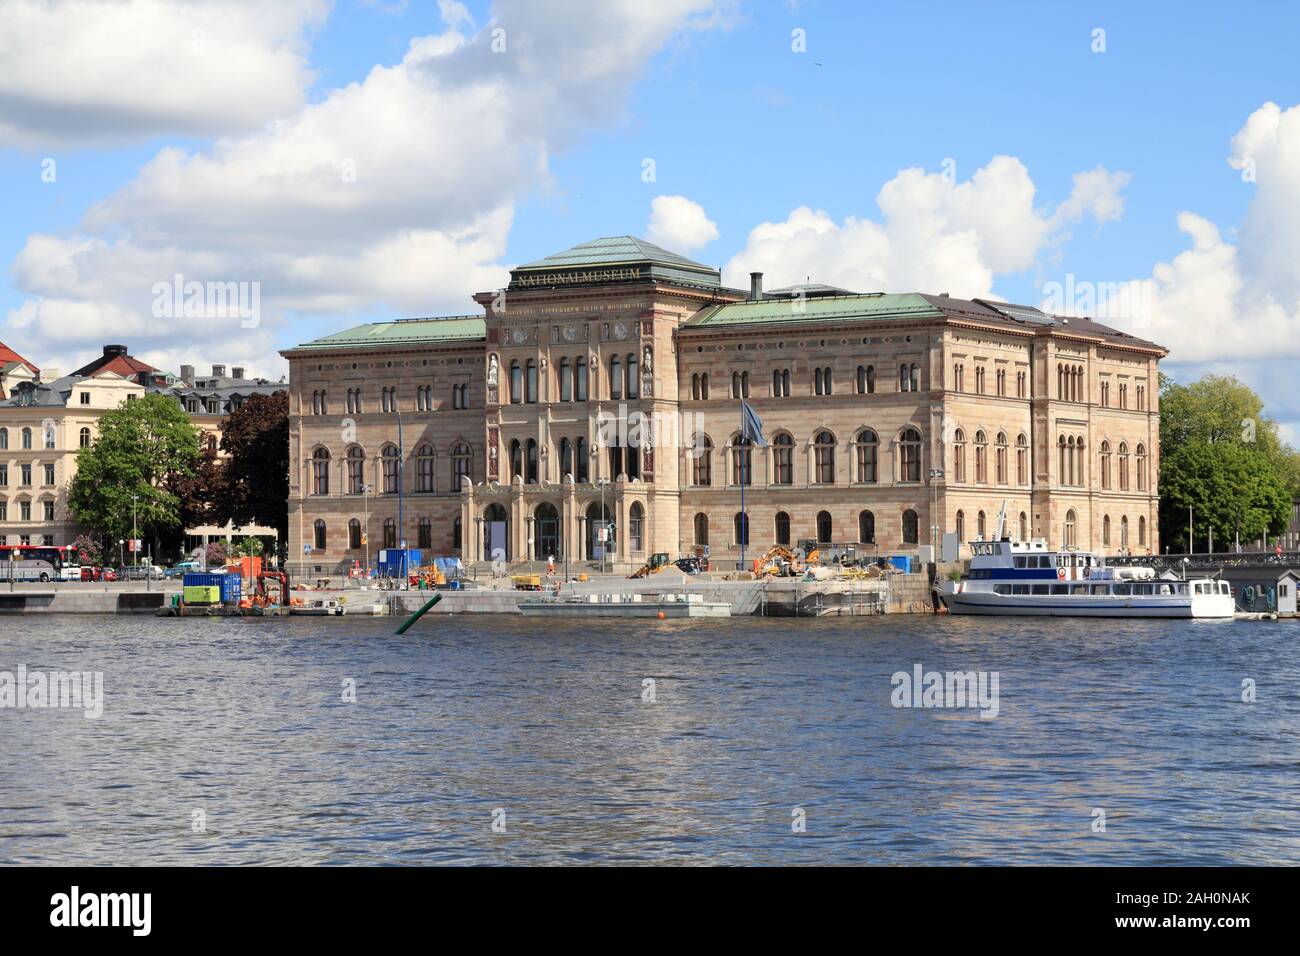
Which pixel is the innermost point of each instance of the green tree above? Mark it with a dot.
(255, 471)
(1232, 488)
(144, 448)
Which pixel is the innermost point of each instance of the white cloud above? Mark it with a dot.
(935, 234)
(679, 225)
(392, 194)
(81, 71)
(1218, 301)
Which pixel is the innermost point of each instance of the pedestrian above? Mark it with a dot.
(550, 564)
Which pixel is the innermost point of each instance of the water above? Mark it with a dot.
(244, 720)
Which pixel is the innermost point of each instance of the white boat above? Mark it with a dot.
(648, 604)
(1018, 578)
(316, 607)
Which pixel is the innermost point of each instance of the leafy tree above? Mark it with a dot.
(255, 472)
(89, 550)
(1233, 489)
(144, 448)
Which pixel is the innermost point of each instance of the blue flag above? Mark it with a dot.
(751, 426)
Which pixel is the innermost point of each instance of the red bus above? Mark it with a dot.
(39, 562)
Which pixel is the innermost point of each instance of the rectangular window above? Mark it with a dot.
(85, 398)
(49, 475)
(47, 508)
(26, 475)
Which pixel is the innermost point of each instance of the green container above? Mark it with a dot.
(202, 595)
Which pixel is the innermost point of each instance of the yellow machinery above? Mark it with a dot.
(779, 560)
(658, 561)
(527, 582)
(428, 576)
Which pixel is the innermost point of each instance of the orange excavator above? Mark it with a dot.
(261, 596)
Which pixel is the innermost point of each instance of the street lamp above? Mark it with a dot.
(135, 547)
(604, 523)
(935, 475)
(365, 530)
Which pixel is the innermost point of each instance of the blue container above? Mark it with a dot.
(390, 561)
(202, 579)
(232, 586)
(902, 562)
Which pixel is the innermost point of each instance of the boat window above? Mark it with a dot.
(1040, 588)
(1123, 590)
(1060, 589)
(1020, 561)
(1002, 589)
(1223, 588)
(1020, 589)
(1079, 589)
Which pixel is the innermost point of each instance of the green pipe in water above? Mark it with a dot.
(420, 613)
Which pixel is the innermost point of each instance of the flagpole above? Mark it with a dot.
(744, 519)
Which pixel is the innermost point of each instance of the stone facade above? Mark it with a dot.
(889, 420)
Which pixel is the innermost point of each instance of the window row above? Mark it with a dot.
(1140, 461)
(1001, 455)
(24, 510)
(26, 435)
(355, 404)
(25, 475)
(822, 382)
(981, 380)
(824, 525)
(389, 537)
(390, 470)
(864, 454)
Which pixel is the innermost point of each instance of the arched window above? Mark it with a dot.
(1000, 464)
(390, 533)
(911, 527)
(566, 381)
(530, 461)
(1067, 535)
(581, 461)
(456, 540)
(318, 535)
(824, 529)
(566, 458)
(516, 383)
(695, 386)
(1105, 531)
(702, 529)
(1123, 466)
(735, 385)
(354, 534)
(580, 380)
(959, 455)
(741, 523)
(356, 470)
(1024, 526)
(981, 457)
(1123, 531)
(866, 379)
(903, 380)
(1022, 460)
(1105, 465)
(783, 459)
(424, 468)
(782, 528)
(981, 527)
(704, 385)
(702, 463)
(320, 470)
(866, 527)
(909, 444)
(515, 454)
(915, 373)
(632, 390)
(460, 464)
(530, 382)
(742, 460)
(1141, 466)
(867, 453)
(1062, 468)
(27, 439)
(83, 438)
(1142, 531)
(615, 377)
(824, 458)
(4, 438)
(392, 470)
(961, 526)
(424, 534)
(635, 529)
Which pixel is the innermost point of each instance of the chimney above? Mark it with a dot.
(187, 375)
(113, 351)
(218, 371)
(237, 372)
(51, 374)
(755, 286)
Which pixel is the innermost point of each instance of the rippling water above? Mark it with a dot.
(245, 720)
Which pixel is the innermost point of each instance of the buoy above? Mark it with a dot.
(662, 615)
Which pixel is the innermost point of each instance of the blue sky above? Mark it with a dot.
(741, 128)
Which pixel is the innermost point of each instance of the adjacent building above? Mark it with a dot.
(592, 409)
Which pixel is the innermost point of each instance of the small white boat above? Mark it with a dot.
(1026, 578)
(318, 607)
(658, 605)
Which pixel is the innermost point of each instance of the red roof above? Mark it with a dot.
(9, 355)
(126, 366)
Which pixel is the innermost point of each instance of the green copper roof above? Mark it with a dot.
(837, 308)
(612, 259)
(450, 328)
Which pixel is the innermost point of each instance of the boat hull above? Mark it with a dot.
(667, 609)
(983, 602)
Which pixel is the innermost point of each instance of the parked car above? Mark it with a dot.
(107, 574)
(143, 572)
